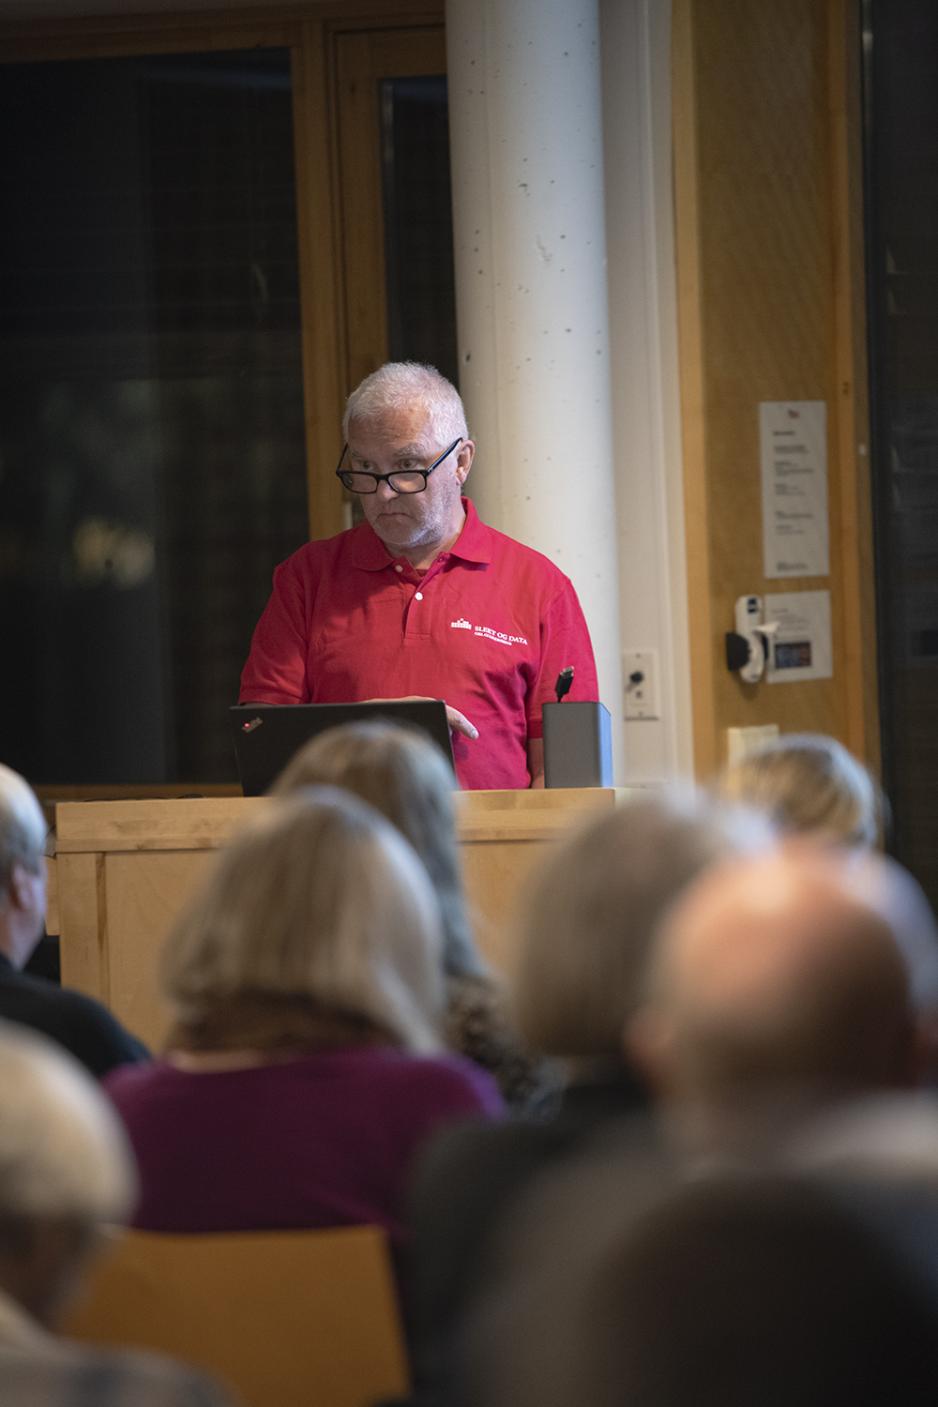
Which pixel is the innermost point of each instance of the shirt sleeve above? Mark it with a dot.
(565, 640)
(275, 671)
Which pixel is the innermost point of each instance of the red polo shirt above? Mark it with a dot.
(487, 627)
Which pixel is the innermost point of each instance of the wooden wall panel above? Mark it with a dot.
(125, 869)
(766, 171)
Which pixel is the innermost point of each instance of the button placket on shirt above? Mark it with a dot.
(416, 617)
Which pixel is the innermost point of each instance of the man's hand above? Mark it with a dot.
(458, 722)
(536, 762)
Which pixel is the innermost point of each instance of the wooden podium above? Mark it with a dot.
(123, 870)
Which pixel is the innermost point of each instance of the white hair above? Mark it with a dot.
(63, 1153)
(400, 386)
(22, 826)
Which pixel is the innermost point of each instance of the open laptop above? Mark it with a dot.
(267, 735)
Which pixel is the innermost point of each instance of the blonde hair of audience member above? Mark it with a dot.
(318, 926)
(65, 1168)
(406, 777)
(594, 906)
(777, 984)
(810, 784)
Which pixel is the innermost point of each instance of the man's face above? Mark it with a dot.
(24, 913)
(415, 524)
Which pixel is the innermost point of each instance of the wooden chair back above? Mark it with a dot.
(283, 1319)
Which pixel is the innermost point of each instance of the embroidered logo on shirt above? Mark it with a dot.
(486, 632)
(500, 637)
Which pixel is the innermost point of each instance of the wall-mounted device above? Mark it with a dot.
(747, 647)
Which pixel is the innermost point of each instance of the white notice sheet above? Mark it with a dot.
(793, 448)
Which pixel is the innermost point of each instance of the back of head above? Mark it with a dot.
(404, 386)
(776, 979)
(62, 1150)
(22, 827)
(64, 1169)
(809, 784)
(728, 1292)
(320, 914)
(594, 906)
(405, 776)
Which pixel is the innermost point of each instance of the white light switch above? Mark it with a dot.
(640, 684)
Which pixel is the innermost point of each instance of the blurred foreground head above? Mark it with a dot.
(783, 982)
(594, 906)
(728, 1291)
(64, 1170)
(317, 926)
(809, 784)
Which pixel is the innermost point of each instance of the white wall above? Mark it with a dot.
(526, 138)
(636, 68)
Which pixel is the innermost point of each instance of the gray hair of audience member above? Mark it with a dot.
(63, 1153)
(405, 776)
(778, 978)
(593, 908)
(726, 1289)
(22, 827)
(401, 386)
(320, 901)
(809, 784)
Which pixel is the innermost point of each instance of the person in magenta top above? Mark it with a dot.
(422, 598)
(304, 1070)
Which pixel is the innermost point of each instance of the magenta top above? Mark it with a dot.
(324, 1140)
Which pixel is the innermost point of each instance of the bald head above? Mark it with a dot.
(780, 977)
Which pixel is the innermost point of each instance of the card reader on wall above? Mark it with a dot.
(577, 741)
(748, 646)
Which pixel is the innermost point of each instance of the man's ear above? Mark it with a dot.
(22, 886)
(464, 458)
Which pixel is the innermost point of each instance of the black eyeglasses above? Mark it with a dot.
(401, 480)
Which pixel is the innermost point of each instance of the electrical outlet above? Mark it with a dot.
(640, 683)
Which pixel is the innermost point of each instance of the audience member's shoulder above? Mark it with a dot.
(82, 1025)
(137, 1080)
(448, 1082)
(480, 1152)
(104, 1379)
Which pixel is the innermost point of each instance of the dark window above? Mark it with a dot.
(902, 249)
(418, 221)
(152, 459)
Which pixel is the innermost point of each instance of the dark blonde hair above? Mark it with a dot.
(594, 906)
(406, 777)
(317, 905)
(810, 784)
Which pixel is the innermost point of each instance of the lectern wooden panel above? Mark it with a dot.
(125, 868)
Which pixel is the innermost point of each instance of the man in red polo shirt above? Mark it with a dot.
(422, 599)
